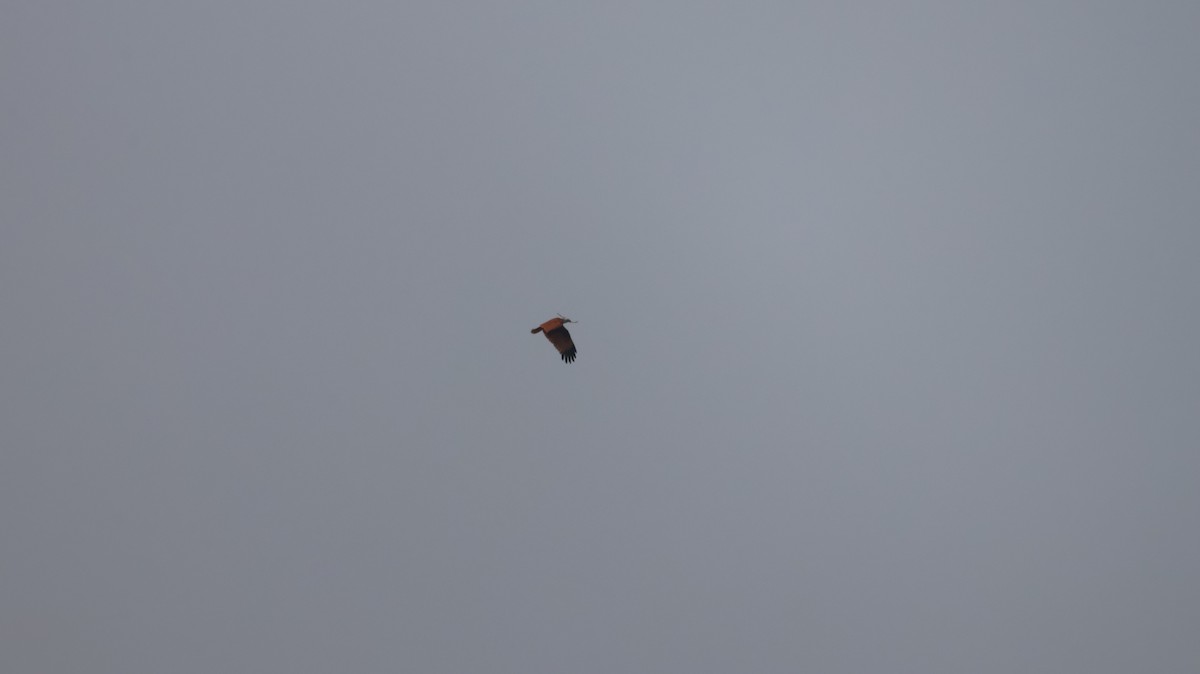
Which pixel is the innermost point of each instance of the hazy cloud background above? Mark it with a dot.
(887, 337)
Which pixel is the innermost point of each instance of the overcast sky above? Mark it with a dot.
(888, 337)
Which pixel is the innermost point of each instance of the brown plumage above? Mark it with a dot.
(556, 331)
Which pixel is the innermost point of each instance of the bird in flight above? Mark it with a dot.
(556, 331)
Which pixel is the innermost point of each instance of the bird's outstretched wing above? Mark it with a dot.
(561, 339)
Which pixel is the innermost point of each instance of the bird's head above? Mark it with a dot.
(565, 319)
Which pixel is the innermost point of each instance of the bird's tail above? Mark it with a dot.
(535, 330)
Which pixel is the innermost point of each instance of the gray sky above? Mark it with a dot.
(887, 343)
